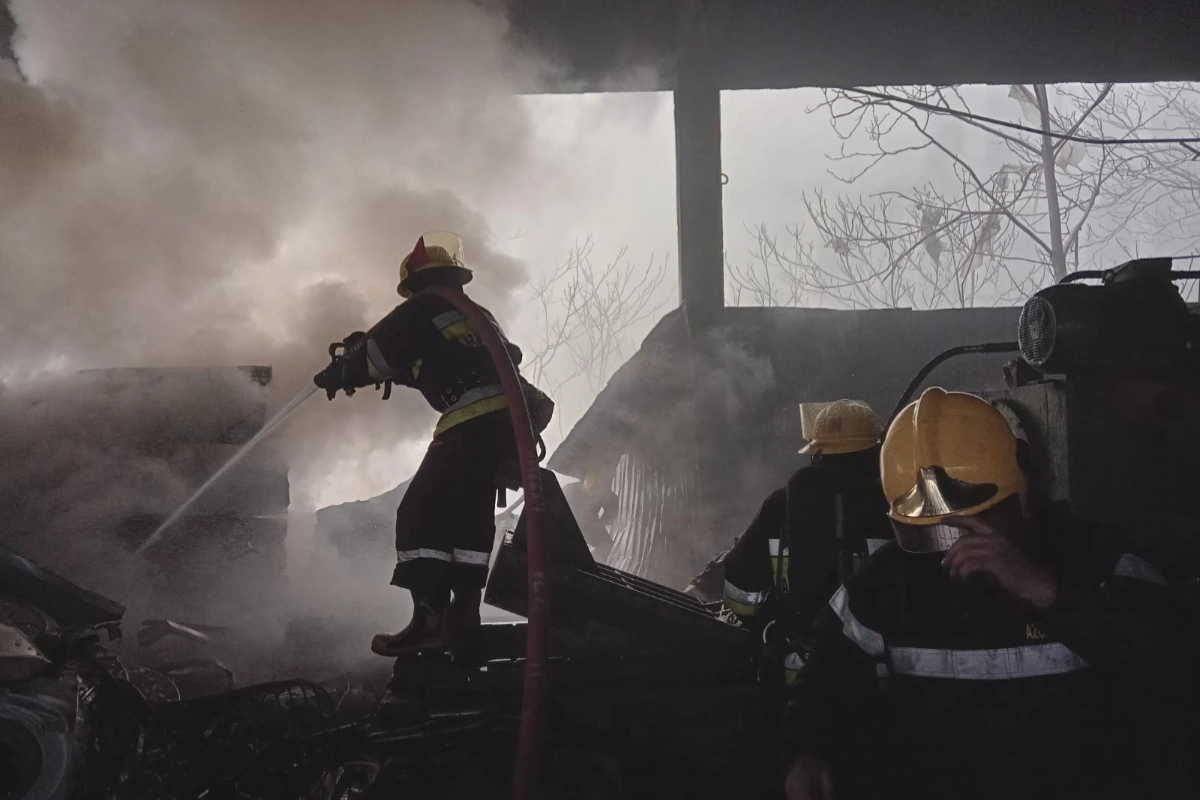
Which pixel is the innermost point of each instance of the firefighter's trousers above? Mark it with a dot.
(445, 525)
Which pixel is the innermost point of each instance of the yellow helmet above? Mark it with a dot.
(948, 454)
(434, 250)
(843, 426)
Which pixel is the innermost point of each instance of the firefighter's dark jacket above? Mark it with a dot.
(426, 344)
(924, 687)
(792, 548)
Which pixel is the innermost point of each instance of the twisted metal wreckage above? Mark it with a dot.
(75, 718)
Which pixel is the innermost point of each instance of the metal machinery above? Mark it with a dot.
(1108, 390)
(78, 722)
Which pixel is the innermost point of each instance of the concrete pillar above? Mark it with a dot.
(698, 195)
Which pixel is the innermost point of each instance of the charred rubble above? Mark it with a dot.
(92, 706)
(649, 686)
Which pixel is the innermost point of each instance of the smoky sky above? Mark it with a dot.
(235, 182)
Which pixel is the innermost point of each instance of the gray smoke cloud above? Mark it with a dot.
(235, 182)
(230, 182)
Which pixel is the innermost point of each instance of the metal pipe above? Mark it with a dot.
(946, 355)
(1098, 274)
(1082, 275)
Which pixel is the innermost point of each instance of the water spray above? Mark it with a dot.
(338, 352)
(266, 430)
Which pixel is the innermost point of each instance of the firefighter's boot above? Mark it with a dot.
(465, 627)
(426, 631)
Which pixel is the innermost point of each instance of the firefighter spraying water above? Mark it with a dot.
(454, 353)
(428, 345)
(446, 523)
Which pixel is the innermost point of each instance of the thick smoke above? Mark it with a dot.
(232, 182)
(85, 454)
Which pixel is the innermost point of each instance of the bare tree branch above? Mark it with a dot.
(976, 230)
(588, 312)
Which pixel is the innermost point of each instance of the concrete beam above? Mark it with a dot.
(778, 44)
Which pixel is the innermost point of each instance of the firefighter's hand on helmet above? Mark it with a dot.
(809, 778)
(987, 551)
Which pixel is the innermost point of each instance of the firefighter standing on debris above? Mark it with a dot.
(445, 525)
(811, 535)
(987, 652)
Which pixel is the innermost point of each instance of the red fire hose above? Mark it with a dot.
(529, 738)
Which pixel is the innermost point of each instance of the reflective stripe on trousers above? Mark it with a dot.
(471, 558)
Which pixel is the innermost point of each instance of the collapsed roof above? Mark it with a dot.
(695, 432)
(764, 361)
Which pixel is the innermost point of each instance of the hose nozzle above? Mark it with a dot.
(333, 377)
